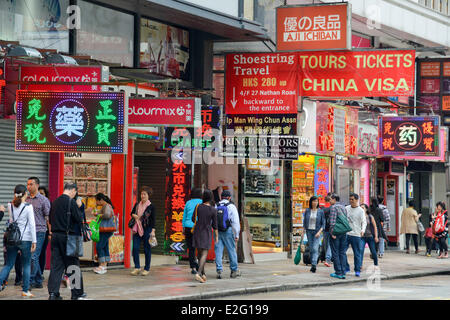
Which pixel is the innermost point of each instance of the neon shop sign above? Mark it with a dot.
(70, 122)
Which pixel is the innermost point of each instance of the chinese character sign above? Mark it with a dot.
(177, 194)
(322, 178)
(418, 136)
(314, 27)
(70, 122)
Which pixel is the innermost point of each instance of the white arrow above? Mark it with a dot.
(178, 246)
(234, 101)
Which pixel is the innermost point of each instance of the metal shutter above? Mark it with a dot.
(16, 168)
(152, 173)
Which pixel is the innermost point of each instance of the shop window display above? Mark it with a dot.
(263, 203)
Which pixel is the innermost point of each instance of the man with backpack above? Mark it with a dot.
(229, 227)
(386, 226)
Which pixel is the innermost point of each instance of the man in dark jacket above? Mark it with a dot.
(60, 261)
(326, 248)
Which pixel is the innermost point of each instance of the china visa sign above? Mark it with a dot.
(412, 136)
(70, 122)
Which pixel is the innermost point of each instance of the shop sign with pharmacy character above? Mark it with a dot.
(70, 122)
(412, 136)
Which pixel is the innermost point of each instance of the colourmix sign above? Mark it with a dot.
(70, 122)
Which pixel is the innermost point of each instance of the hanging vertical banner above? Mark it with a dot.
(177, 194)
(314, 27)
(322, 178)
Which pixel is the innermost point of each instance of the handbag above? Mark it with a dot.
(95, 226)
(342, 226)
(131, 223)
(85, 230)
(298, 256)
(420, 227)
(108, 225)
(194, 218)
(153, 242)
(74, 246)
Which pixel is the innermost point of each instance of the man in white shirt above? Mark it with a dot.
(229, 228)
(357, 220)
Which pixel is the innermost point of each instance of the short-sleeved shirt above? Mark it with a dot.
(41, 208)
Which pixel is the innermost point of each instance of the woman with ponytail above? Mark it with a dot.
(21, 213)
(107, 228)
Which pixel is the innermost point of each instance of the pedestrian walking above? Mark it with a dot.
(196, 198)
(107, 228)
(314, 224)
(358, 223)
(440, 229)
(41, 209)
(386, 226)
(338, 242)
(378, 215)
(43, 256)
(21, 213)
(326, 233)
(144, 215)
(229, 227)
(370, 235)
(65, 219)
(409, 225)
(205, 219)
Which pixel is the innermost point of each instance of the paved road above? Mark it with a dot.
(426, 288)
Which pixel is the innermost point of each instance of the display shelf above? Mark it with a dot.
(261, 215)
(253, 194)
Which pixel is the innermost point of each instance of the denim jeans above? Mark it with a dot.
(103, 247)
(36, 273)
(147, 249)
(314, 244)
(11, 253)
(381, 245)
(358, 252)
(226, 239)
(338, 251)
(326, 244)
(372, 246)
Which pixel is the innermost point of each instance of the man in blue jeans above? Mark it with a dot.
(228, 236)
(337, 243)
(357, 221)
(41, 209)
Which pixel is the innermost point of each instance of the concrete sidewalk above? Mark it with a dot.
(176, 282)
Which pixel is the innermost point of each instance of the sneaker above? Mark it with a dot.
(326, 264)
(358, 274)
(145, 273)
(334, 275)
(313, 269)
(82, 297)
(53, 296)
(27, 294)
(235, 274)
(100, 270)
(135, 272)
(380, 256)
(428, 254)
(219, 274)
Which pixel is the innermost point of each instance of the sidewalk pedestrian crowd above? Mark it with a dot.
(330, 230)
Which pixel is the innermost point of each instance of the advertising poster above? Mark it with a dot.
(164, 49)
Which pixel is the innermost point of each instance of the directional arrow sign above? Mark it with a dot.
(177, 246)
(234, 101)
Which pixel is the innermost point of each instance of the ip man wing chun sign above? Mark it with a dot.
(71, 122)
(411, 136)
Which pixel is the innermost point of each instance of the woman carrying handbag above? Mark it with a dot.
(107, 228)
(143, 226)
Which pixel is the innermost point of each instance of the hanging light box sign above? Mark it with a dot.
(71, 122)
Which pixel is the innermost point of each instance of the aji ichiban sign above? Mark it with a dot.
(314, 27)
(412, 136)
(70, 122)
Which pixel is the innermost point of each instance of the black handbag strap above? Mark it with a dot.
(68, 216)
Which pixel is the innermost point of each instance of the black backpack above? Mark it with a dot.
(12, 234)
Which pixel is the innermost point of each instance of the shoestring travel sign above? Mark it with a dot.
(409, 136)
(71, 122)
(314, 27)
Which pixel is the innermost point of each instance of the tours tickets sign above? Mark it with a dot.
(314, 27)
(411, 136)
(372, 73)
(70, 122)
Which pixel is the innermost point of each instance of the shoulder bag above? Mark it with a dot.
(94, 225)
(342, 226)
(194, 218)
(74, 246)
(108, 225)
(86, 231)
(12, 233)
